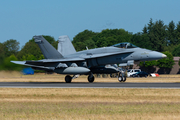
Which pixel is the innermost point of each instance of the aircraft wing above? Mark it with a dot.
(54, 62)
(47, 62)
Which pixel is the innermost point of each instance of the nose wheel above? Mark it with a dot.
(121, 77)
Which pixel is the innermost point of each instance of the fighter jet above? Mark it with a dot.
(67, 61)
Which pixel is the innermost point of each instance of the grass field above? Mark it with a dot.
(88, 103)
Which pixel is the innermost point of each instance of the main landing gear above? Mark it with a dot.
(68, 78)
(91, 78)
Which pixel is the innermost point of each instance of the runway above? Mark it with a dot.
(87, 85)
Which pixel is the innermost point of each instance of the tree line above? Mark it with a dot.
(154, 36)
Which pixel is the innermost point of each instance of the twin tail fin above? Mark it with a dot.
(47, 49)
(65, 46)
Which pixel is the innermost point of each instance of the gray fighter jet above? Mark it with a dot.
(67, 61)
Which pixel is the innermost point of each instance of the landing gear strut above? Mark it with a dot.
(91, 78)
(68, 79)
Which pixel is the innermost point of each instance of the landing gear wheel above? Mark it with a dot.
(91, 78)
(124, 78)
(120, 78)
(68, 79)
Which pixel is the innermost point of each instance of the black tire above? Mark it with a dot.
(68, 79)
(91, 78)
(124, 79)
(120, 78)
(111, 75)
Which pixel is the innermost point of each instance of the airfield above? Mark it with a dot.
(74, 102)
(42, 77)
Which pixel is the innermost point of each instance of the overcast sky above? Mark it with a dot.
(22, 19)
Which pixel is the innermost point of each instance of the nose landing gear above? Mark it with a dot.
(121, 77)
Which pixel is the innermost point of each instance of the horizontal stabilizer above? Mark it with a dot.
(19, 62)
(47, 62)
(33, 66)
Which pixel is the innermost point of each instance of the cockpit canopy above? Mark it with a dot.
(125, 45)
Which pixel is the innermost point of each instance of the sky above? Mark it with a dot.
(22, 19)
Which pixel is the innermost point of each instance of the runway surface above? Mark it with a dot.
(87, 85)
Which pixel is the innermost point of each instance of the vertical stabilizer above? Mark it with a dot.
(47, 49)
(65, 46)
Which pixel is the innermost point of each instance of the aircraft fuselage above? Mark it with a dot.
(113, 55)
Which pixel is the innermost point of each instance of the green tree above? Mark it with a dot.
(79, 46)
(148, 66)
(145, 30)
(157, 35)
(150, 26)
(90, 44)
(110, 37)
(178, 33)
(28, 57)
(2, 53)
(101, 42)
(11, 47)
(166, 62)
(83, 39)
(141, 40)
(31, 48)
(176, 51)
(41, 57)
(171, 34)
(148, 63)
(8, 65)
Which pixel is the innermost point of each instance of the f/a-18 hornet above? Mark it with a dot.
(67, 61)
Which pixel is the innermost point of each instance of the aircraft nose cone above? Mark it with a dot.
(156, 55)
(164, 56)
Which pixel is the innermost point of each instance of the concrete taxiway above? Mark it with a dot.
(87, 85)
